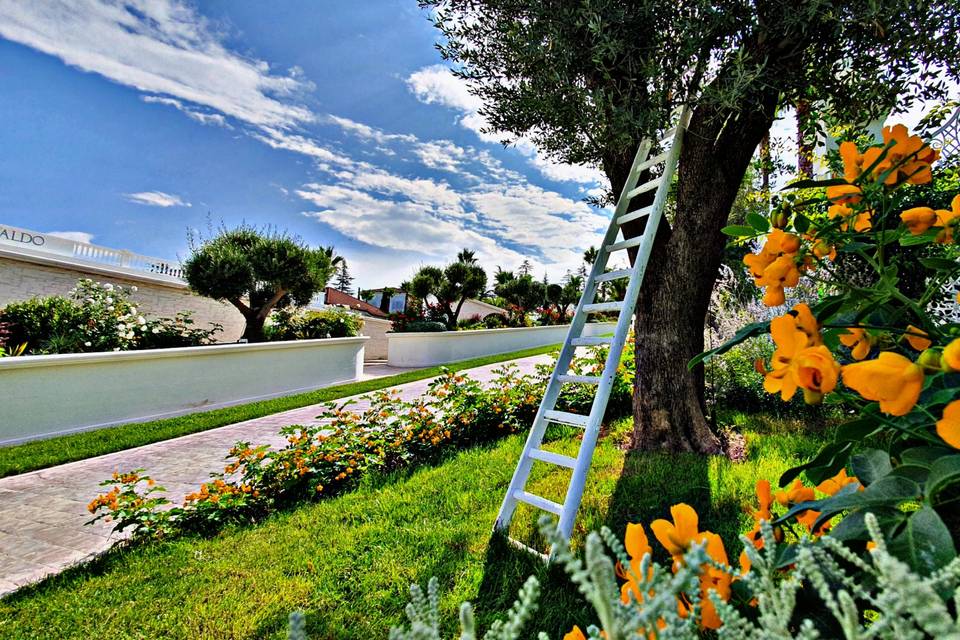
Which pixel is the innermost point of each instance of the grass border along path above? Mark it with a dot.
(50, 452)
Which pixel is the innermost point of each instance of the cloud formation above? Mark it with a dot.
(157, 199)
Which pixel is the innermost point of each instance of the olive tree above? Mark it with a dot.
(586, 80)
(450, 286)
(257, 271)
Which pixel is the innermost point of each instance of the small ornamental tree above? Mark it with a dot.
(522, 292)
(451, 286)
(257, 271)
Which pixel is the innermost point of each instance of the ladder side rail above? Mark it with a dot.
(585, 456)
(552, 392)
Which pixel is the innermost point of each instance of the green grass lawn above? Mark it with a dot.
(41, 454)
(348, 561)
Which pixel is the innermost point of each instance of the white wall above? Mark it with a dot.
(24, 276)
(56, 394)
(376, 329)
(428, 349)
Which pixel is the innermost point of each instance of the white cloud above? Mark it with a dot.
(437, 85)
(441, 154)
(157, 199)
(194, 114)
(157, 46)
(76, 236)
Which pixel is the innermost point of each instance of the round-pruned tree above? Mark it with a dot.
(450, 286)
(585, 81)
(257, 271)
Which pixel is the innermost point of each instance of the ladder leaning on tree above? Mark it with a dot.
(667, 153)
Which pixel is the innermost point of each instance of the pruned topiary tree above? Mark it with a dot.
(257, 271)
(451, 286)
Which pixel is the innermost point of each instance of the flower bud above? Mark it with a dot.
(780, 217)
(930, 361)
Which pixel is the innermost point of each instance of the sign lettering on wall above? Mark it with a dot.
(21, 237)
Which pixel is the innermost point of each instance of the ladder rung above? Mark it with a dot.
(668, 134)
(613, 275)
(601, 307)
(553, 458)
(625, 244)
(540, 503)
(635, 215)
(579, 379)
(591, 341)
(653, 161)
(647, 186)
(565, 417)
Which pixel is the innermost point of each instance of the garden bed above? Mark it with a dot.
(56, 394)
(424, 349)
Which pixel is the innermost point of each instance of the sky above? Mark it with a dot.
(128, 124)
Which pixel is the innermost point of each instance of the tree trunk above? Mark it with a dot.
(253, 331)
(804, 147)
(668, 399)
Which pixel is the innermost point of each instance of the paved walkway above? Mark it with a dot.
(42, 513)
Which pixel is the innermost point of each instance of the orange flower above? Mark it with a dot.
(859, 342)
(844, 193)
(806, 322)
(861, 220)
(796, 494)
(816, 372)
(918, 219)
(912, 155)
(951, 356)
(947, 219)
(677, 536)
(891, 379)
(948, 427)
(830, 486)
(575, 634)
(823, 250)
(916, 338)
(637, 545)
(711, 579)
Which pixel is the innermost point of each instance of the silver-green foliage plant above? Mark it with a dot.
(902, 604)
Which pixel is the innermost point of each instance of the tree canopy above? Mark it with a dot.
(450, 286)
(257, 271)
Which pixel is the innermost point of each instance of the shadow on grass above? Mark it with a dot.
(649, 484)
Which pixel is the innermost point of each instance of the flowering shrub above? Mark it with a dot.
(335, 322)
(892, 602)
(96, 317)
(870, 346)
(321, 460)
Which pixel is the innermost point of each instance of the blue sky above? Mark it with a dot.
(128, 123)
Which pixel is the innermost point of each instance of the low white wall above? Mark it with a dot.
(428, 349)
(376, 329)
(56, 394)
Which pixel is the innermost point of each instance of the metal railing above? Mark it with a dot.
(34, 242)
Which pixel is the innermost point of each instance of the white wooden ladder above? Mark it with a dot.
(667, 153)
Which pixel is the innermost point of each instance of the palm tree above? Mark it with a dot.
(467, 256)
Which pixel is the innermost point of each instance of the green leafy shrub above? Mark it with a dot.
(96, 317)
(422, 326)
(335, 322)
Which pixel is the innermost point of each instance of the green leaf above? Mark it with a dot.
(738, 230)
(744, 333)
(924, 238)
(940, 264)
(853, 526)
(828, 308)
(758, 222)
(944, 472)
(917, 473)
(924, 456)
(828, 459)
(801, 223)
(813, 184)
(852, 247)
(857, 430)
(870, 465)
(890, 491)
(925, 542)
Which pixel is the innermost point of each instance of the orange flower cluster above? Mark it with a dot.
(800, 359)
(907, 159)
(775, 266)
(107, 500)
(918, 219)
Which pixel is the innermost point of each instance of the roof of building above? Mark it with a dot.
(333, 296)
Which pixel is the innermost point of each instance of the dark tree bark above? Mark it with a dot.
(670, 313)
(804, 147)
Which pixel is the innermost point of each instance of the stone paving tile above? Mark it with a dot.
(43, 513)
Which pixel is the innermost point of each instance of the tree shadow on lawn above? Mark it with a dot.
(648, 485)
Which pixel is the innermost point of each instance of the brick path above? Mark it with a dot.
(42, 513)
